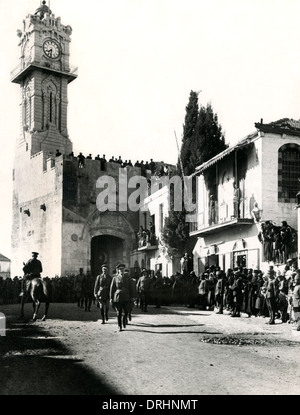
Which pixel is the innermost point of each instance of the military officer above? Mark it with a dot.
(101, 291)
(121, 294)
(32, 269)
(271, 294)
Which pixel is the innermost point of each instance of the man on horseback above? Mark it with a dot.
(32, 269)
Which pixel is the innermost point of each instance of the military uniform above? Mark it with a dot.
(271, 299)
(143, 288)
(121, 295)
(78, 281)
(219, 292)
(101, 292)
(32, 269)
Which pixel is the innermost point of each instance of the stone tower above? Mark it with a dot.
(54, 199)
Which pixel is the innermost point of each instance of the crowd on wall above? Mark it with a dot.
(159, 169)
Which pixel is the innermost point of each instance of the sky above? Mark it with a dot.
(137, 62)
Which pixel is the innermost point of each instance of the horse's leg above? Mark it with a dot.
(22, 305)
(36, 309)
(46, 311)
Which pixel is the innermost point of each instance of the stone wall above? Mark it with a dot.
(37, 213)
(274, 210)
(82, 220)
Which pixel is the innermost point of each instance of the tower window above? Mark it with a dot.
(288, 172)
(51, 108)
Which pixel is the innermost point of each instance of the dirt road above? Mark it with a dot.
(167, 351)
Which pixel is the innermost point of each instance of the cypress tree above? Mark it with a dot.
(202, 139)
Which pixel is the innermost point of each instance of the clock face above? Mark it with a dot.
(51, 49)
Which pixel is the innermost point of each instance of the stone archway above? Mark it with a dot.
(106, 249)
(112, 239)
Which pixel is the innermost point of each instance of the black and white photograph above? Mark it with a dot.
(150, 209)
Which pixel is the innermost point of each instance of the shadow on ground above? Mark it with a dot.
(34, 363)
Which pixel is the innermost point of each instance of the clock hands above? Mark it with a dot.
(51, 49)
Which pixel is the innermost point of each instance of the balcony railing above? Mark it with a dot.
(223, 213)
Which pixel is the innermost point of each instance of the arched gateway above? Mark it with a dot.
(106, 249)
(112, 239)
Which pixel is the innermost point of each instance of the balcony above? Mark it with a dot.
(146, 243)
(22, 70)
(222, 217)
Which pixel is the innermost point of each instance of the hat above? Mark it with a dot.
(120, 265)
(126, 270)
(104, 266)
(35, 253)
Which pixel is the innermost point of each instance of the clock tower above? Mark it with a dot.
(54, 197)
(43, 74)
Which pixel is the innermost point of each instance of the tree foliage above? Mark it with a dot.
(202, 139)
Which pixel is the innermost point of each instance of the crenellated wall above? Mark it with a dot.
(82, 221)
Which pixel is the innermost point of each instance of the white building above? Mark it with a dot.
(151, 252)
(265, 166)
(4, 267)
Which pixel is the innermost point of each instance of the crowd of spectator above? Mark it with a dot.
(155, 168)
(236, 291)
(280, 243)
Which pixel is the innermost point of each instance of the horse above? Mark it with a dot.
(38, 290)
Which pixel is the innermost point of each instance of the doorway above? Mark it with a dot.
(105, 249)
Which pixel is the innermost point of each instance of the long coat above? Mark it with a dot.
(121, 289)
(102, 287)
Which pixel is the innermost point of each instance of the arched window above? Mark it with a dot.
(288, 172)
(51, 102)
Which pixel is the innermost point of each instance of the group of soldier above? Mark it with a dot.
(120, 291)
(274, 294)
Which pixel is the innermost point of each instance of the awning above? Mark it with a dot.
(241, 144)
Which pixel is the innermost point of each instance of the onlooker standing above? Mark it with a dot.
(271, 295)
(296, 303)
(143, 288)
